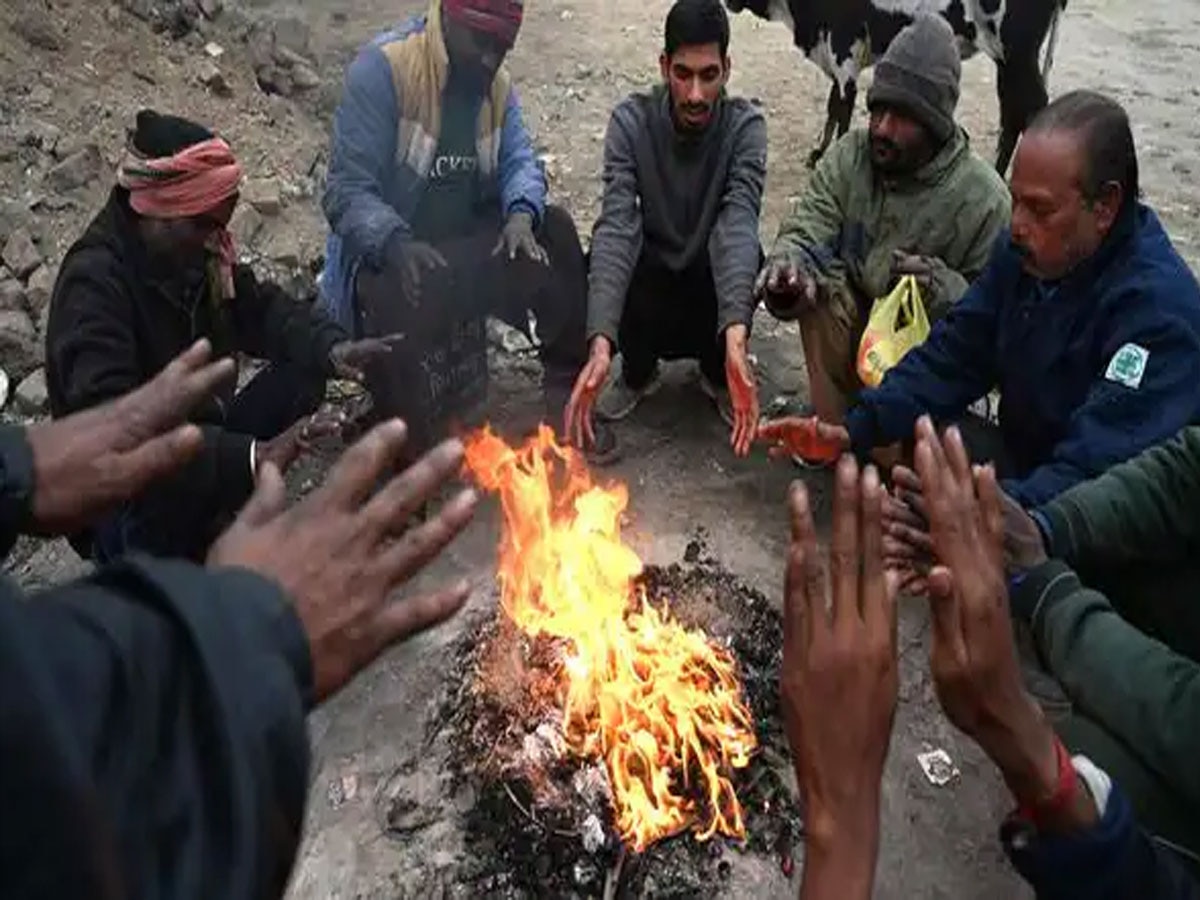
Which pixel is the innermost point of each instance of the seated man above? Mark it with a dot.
(675, 250)
(1086, 318)
(154, 271)
(436, 207)
(904, 196)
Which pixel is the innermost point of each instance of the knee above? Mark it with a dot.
(559, 228)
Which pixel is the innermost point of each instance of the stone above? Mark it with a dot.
(13, 215)
(214, 50)
(4, 384)
(41, 135)
(289, 58)
(12, 294)
(38, 289)
(78, 170)
(212, 78)
(20, 349)
(21, 254)
(264, 194)
(30, 397)
(304, 78)
(292, 33)
(274, 79)
(211, 8)
(245, 225)
(37, 28)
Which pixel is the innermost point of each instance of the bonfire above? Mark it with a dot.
(659, 704)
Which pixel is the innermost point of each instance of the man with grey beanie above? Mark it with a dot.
(904, 196)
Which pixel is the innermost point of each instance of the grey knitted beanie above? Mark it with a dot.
(920, 75)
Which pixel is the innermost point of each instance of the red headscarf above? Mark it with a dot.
(194, 181)
(501, 18)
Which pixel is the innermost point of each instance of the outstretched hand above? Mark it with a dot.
(85, 463)
(839, 653)
(349, 359)
(342, 550)
(808, 438)
(743, 390)
(577, 418)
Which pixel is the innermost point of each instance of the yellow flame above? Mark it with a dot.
(660, 703)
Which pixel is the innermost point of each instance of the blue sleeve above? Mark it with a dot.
(942, 377)
(364, 151)
(1114, 860)
(1117, 421)
(522, 182)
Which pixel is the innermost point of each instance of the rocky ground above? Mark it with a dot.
(266, 74)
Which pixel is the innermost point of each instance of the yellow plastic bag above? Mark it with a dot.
(897, 324)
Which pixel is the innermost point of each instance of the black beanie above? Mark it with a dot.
(920, 74)
(158, 135)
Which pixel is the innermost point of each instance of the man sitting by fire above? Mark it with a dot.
(675, 250)
(904, 196)
(437, 211)
(154, 271)
(1086, 318)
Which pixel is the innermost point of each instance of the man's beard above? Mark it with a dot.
(890, 158)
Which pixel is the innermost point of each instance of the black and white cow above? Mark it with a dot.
(844, 37)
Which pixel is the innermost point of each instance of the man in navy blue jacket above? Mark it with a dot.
(1085, 318)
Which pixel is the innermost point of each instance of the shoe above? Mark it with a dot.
(719, 395)
(604, 451)
(618, 399)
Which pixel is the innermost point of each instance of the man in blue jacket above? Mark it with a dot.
(1085, 318)
(437, 209)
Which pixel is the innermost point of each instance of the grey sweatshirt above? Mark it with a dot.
(674, 198)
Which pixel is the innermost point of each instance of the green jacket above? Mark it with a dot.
(1147, 511)
(849, 221)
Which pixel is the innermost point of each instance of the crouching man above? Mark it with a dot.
(675, 250)
(437, 210)
(154, 272)
(906, 195)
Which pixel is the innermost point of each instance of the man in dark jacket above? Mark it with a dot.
(1073, 833)
(154, 271)
(675, 250)
(152, 738)
(1085, 318)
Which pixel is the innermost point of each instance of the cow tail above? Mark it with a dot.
(1060, 7)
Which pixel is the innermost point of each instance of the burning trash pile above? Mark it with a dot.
(597, 717)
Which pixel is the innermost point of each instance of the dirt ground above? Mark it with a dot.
(574, 60)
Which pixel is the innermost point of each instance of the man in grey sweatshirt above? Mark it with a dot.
(675, 251)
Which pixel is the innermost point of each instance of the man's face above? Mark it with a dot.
(183, 240)
(899, 143)
(475, 56)
(695, 76)
(1053, 225)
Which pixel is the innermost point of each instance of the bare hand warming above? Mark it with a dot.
(743, 390)
(839, 654)
(84, 464)
(284, 449)
(340, 552)
(349, 359)
(577, 418)
(973, 657)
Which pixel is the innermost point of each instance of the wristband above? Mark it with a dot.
(1065, 791)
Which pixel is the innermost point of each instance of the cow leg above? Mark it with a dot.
(1022, 94)
(839, 112)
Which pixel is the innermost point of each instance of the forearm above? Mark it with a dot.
(947, 288)
(841, 866)
(1137, 688)
(1142, 509)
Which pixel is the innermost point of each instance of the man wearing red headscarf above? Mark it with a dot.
(437, 209)
(155, 271)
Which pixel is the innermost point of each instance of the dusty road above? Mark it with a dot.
(573, 62)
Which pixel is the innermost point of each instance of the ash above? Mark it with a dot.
(540, 824)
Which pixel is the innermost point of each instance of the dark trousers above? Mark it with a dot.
(670, 315)
(436, 370)
(173, 518)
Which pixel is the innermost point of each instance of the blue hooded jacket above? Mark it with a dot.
(372, 192)
(1092, 369)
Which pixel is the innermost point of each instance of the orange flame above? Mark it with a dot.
(660, 703)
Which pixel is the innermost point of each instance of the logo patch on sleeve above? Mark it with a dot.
(1128, 365)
